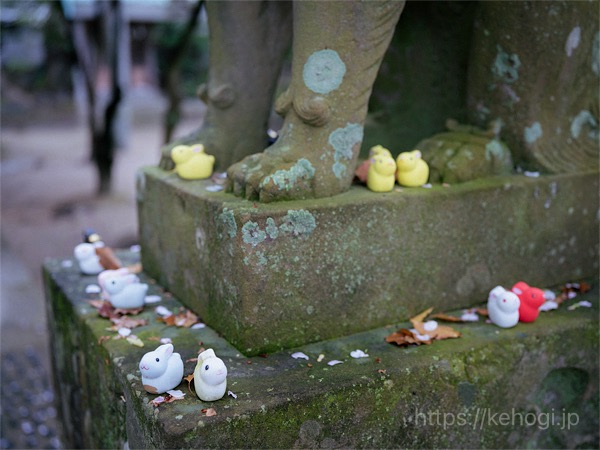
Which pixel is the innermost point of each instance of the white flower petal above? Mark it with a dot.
(298, 355)
(66, 263)
(214, 188)
(162, 311)
(124, 332)
(548, 306)
(152, 299)
(231, 394)
(469, 316)
(92, 289)
(165, 340)
(176, 393)
(358, 354)
(333, 362)
(198, 326)
(135, 248)
(549, 295)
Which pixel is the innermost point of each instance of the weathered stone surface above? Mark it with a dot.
(280, 275)
(533, 386)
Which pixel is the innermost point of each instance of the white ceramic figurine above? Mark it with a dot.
(210, 376)
(124, 292)
(162, 370)
(89, 262)
(108, 274)
(503, 307)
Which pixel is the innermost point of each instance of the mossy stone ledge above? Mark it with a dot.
(279, 275)
(532, 386)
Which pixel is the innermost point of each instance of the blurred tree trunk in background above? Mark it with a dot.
(101, 48)
(173, 67)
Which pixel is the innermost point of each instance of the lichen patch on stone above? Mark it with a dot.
(343, 141)
(533, 133)
(228, 220)
(506, 66)
(252, 234)
(324, 71)
(286, 179)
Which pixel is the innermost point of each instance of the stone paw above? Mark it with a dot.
(267, 178)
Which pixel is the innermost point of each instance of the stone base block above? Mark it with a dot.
(532, 386)
(273, 276)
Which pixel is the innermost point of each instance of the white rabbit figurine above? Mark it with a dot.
(107, 274)
(124, 292)
(210, 376)
(503, 307)
(162, 370)
(89, 262)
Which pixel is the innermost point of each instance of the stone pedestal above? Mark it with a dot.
(273, 276)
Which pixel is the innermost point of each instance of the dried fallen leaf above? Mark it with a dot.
(169, 397)
(424, 332)
(446, 317)
(102, 339)
(127, 322)
(189, 380)
(134, 340)
(209, 412)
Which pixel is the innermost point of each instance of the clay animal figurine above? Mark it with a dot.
(362, 170)
(162, 370)
(381, 175)
(107, 256)
(89, 262)
(191, 163)
(124, 292)
(531, 299)
(107, 274)
(412, 169)
(503, 307)
(210, 376)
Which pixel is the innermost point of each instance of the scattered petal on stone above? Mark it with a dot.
(549, 305)
(469, 316)
(135, 248)
(583, 303)
(152, 299)
(198, 326)
(298, 355)
(420, 337)
(134, 340)
(430, 325)
(158, 400)
(334, 362)
(231, 394)
(124, 332)
(320, 358)
(214, 188)
(358, 354)
(427, 186)
(177, 394)
(92, 289)
(66, 263)
(549, 295)
(162, 311)
(165, 340)
(531, 174)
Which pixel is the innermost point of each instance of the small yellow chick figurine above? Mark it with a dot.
(379, 150)
(381, 175)
(412, 169)
(191, 163)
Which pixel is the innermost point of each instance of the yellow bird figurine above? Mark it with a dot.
(191, 163)
(412, 169)
(381, 175)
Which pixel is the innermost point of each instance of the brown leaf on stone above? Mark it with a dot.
(362, 170)
(184, 319)
(135, 268)
(446, 318)
(209, 412)
(403, 337)
(419, 318)
(127, 322)
(123, 311)
(102, 339)
(189, 380)
(482, 311)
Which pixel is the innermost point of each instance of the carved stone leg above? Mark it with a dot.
(337, 50)
(247, 45)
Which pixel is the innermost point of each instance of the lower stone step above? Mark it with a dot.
(535, 385)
